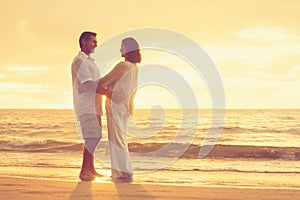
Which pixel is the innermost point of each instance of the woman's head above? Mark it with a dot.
(130, 50)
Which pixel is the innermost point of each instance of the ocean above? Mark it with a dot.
(256, 147)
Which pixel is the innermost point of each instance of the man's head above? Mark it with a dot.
(88, 42)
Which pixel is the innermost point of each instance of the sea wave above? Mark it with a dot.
(47, 145)
(265, 129)
(152, 149)
(223, 151)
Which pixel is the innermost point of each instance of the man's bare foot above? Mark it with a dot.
(86, 176)
(97, 174)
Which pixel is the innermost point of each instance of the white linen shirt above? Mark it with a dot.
(85, 101)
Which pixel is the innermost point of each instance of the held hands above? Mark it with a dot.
(116, 98)
(96, 87)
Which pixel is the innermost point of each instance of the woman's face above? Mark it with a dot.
(123, 50)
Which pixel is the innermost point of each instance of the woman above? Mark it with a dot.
(122, 81)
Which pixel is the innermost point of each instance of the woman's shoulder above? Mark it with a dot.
(121, 64)
(130, 64)
(126, 65)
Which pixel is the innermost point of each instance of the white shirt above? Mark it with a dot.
(85, 101)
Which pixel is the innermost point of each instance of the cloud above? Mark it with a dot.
(23, 95)
(31, 101)
(25, 69)
(34, 86)
(268, 34)
(252, 92)
(294, 73)
(37, 75)
(258, 59)
(22, 25)
(24, 88)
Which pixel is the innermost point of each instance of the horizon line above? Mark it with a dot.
(170, 108)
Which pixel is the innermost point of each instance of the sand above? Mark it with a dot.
(23, 188)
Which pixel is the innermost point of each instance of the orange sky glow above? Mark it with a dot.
(255, 46)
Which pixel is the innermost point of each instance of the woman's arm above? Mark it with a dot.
(113, 76)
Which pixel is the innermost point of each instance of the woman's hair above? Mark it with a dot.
(132, 52)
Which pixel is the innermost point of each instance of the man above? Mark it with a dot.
(87, 102)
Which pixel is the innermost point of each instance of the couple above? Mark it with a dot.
(119, 86)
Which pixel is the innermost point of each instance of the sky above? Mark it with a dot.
(254, 45)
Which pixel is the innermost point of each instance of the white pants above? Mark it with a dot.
(117, 136)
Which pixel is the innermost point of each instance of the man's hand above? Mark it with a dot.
(117, 98)
(80, 88)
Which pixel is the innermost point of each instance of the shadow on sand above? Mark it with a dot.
(128, 191)
(82, 191)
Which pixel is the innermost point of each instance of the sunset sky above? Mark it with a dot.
(255, 46)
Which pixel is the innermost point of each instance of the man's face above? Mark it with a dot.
(90, 44)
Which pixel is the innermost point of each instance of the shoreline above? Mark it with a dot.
(107, 181)
(26, 188)
(227, 179)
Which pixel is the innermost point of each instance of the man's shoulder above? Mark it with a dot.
(79, 60)
(79, 56)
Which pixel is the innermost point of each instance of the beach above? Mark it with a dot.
(23, 188)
